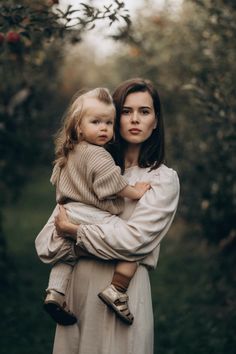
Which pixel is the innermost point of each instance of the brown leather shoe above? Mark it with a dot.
(55, 305)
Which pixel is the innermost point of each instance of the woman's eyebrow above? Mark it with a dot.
(142, 107)
(148, 107)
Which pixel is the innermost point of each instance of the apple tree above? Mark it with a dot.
(34, 37)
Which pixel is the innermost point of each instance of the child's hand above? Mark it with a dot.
(141, 188)
(134, 192)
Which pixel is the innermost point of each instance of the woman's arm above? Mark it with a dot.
(140, 235)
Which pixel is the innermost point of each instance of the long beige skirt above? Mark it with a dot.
(98, 330)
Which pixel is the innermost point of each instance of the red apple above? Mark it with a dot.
(12, 37)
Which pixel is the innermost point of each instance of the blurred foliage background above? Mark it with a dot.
(190, 55)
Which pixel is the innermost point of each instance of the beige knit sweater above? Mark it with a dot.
(90, 176)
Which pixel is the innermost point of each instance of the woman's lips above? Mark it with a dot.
(134, 131)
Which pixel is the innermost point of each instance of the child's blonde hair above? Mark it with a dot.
(67, 137)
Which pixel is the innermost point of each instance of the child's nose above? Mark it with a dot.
(104, 126)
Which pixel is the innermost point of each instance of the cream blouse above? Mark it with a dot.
(136, 234)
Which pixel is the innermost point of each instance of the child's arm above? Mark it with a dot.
(134, 192)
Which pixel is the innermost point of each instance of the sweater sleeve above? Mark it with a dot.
(107, 178)
(136, 238)
(55, 174)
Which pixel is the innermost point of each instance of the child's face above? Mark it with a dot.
(97, 124)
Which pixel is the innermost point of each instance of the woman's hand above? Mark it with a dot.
(63, 226)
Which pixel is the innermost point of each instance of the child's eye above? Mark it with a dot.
(95, 121)
(110, 122)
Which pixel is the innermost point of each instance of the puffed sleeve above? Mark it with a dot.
(107, 178)
(136, 238)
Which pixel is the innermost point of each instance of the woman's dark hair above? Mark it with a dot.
(152, 151)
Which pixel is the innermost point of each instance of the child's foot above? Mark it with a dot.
(55, 305)
(118, 302)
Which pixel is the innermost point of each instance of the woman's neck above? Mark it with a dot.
(132, 155)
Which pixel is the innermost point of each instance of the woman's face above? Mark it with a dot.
(138, 118)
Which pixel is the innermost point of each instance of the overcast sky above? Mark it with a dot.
(130, 4)
(98, 35)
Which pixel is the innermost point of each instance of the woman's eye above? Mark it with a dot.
(125, 111)
(145, 112)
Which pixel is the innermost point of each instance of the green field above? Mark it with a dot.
(193, 287)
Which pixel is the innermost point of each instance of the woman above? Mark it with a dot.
(135, 236)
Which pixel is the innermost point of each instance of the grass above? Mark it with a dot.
(193, 286)
(26, 328)
(194, 298)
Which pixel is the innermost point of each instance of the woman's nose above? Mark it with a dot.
(135, 117)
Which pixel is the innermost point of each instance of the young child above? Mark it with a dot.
(85, 172)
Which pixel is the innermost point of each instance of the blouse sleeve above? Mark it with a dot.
(137, 237)
(107, 178)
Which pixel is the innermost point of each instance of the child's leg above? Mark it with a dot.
(54, 303)
(59, 277)
(124, 272)
(115, 294)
